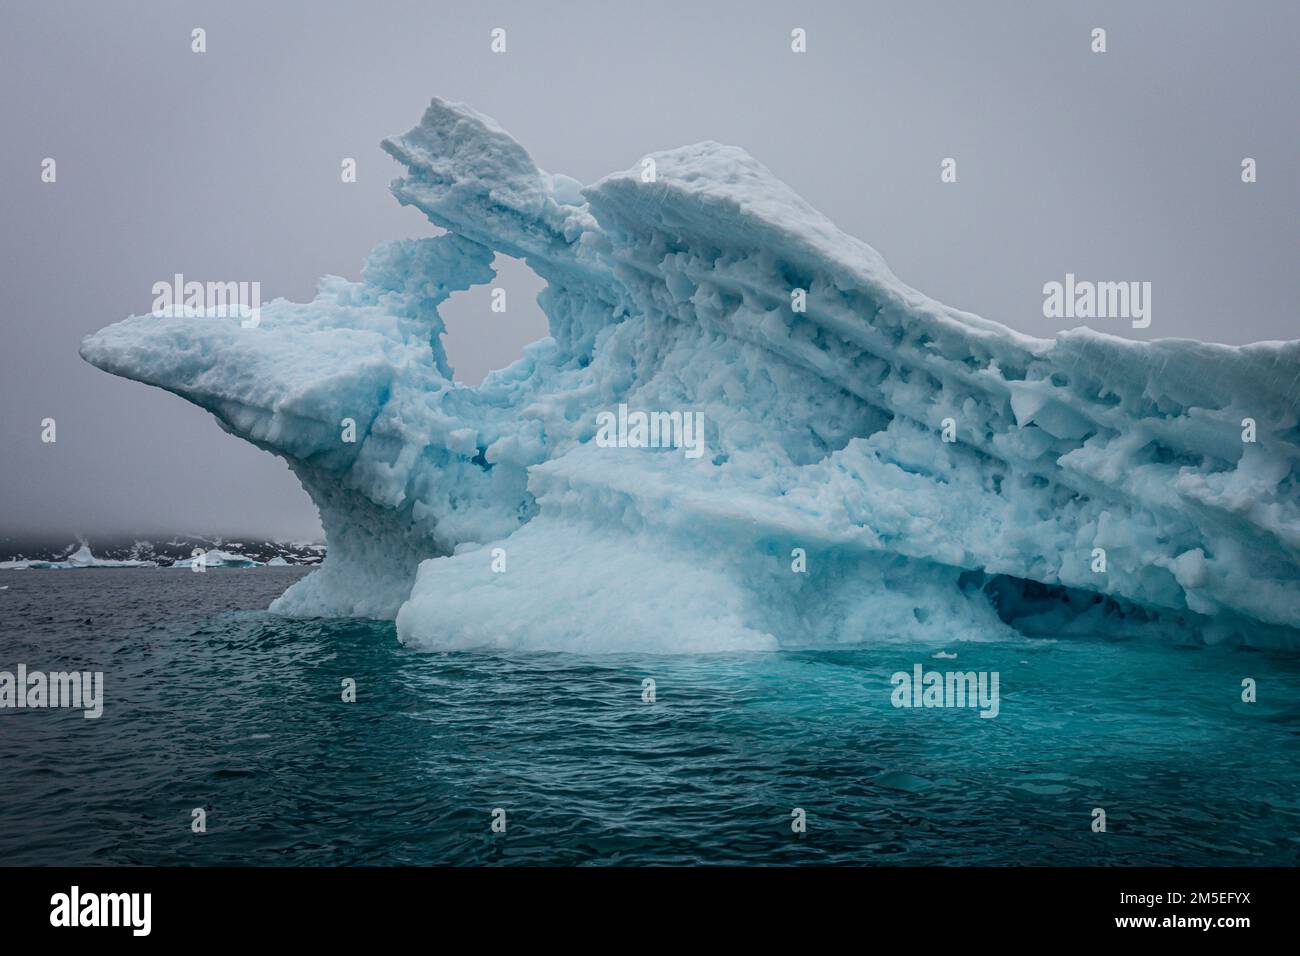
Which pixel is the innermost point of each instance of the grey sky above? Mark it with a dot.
(225, 165)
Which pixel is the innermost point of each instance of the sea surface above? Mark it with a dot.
(210, 702)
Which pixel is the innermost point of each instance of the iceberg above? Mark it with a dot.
(78, 559)
(216, 558)
(874, 464)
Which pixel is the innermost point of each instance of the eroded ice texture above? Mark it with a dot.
(822, 432)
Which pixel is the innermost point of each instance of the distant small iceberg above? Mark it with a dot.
(81, 558)
(224, 559)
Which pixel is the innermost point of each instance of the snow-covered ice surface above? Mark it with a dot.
(823, 433)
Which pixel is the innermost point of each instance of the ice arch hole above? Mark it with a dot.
(478, 340)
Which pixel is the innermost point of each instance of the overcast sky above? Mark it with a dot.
(1118, 166)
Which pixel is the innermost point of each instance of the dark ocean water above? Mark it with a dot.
(212, 703)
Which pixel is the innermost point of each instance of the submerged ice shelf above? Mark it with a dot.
(822, 432)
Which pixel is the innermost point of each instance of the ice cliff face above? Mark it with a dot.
(493, 515)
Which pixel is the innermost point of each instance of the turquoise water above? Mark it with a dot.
(210, 703)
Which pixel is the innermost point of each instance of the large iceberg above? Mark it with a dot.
(873, 463)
